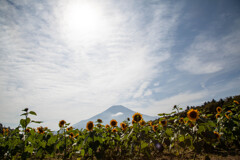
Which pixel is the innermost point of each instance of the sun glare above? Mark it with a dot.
(82, 18)
(83, 21)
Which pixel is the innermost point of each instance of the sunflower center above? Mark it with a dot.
(137, 118)
(193, 114)
(113, 123)
(217, 135)
(90, 126)
(155, 128)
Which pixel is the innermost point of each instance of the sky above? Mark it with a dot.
(72, 59)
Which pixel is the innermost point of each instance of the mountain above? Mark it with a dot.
(117, 112)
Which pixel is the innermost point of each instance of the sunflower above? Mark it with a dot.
(123, 126)
(228, 114)
(28, 130)
(61, 123)
(217, 135)
(137, 117)
(71, 135)
(114, 130)
(76, 135)
(191, 124)
(236, 102)
(163, 122)
(217, 115)
(133, 122)
(181, 120)
(113, 123)
(150, 123)
(154, 127)
(69, 128)
(99, 125)
(99, 121)
(5, 131)
(229, 111)
(219, 109)
(40, 130)
(142, 122)
(193, 114)
(107, 126)
(90, 126)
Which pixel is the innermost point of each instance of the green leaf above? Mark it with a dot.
(134, 138)
(161, 114)
(33, 113)
(90, 151)
(37, 121)
(212, 124)
(24, 114)
(52, 140)
(181, 138)
(43, 144)
(28, 121)
(29, 149)
(201, 129)
(29, 139)
(173, 112)
(143, 144)
(169, 131)
(82, 152)
(23, 123)
(209, 115)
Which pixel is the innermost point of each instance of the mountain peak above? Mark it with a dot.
(117, 108)
(117, 112)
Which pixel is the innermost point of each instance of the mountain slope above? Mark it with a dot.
(117, 112)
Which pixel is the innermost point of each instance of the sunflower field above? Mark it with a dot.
(175, 134)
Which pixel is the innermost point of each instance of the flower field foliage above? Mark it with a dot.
(178, 133)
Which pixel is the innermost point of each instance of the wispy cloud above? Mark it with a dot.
(182, 99)
(209, 53)
(189, 98)
(55, 72)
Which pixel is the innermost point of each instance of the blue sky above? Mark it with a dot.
(73, 59)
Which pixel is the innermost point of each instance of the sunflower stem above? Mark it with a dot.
(139, 152)
(93, 152)
(65, 143)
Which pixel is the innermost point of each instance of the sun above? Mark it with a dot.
(82, 17)
(83, 21)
